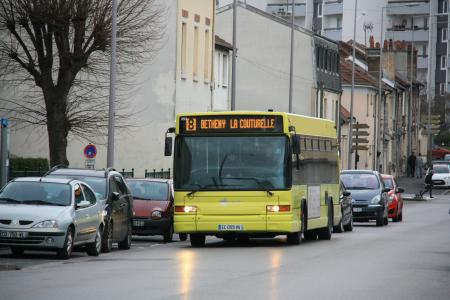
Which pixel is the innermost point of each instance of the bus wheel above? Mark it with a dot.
(325, 233)
(197, 240)
(294, 238)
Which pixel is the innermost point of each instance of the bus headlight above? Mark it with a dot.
(186, 209)
(278, 208)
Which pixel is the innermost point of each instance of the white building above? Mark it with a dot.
(179, 79)
(222, 75)
(263, 61)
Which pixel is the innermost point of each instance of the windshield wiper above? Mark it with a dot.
(42, 202)
(203, 187)
(10, 200)
(140, 198)
(258, 182)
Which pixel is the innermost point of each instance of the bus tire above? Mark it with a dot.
(325, 233)
(294, 238)
(197, 240)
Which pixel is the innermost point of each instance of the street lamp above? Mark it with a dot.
(350, 131)
(112, 88)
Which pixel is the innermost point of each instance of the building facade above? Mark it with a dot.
(179, 79)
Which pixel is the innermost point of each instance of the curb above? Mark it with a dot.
(9, 267)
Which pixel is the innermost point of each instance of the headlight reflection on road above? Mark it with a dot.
(275, 267)
(186, 262)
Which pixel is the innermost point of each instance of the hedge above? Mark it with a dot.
(25, 163)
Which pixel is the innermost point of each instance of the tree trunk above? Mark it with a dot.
(57, 125)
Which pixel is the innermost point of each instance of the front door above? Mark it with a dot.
(81, 216)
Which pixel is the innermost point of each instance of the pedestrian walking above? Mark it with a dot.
(428, 183)
(419, 166)
(411, 165)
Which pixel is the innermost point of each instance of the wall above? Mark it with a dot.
(263, 63)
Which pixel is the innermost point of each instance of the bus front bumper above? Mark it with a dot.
(281, 223)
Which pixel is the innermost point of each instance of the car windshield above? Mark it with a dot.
(98, 184)
(231, 163)
(360, 181)
(389, 183)
(441, 169)
(44, 193)
(149, 190)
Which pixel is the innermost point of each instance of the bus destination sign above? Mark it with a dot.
(231, 123)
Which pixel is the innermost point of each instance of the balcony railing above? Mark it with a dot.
(333, 33)
(283, 10)
(406, 34)
(333, 8)
(400, 9)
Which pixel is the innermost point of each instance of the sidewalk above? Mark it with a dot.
(412, 186)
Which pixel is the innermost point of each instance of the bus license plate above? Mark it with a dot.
(357, 209)
(13, 234)
(230, 227)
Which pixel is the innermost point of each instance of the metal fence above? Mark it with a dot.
(25, 173)
(166, 174)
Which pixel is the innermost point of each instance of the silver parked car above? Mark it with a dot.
(50, 214)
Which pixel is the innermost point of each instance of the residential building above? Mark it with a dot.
(263, 64)
(179, 79)
(222, 75)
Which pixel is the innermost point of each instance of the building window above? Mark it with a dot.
(425, 22)
(444, 35)
(207, 53)
(444, 7)
(443, 62)
(442, 89)
(225, 70)
(318, 10)
(183, 48)
(424, 50)
(195, 68)
(338, 22)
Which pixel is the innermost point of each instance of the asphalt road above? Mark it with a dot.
(408, 260)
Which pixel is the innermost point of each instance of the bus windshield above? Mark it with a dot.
(231, 163)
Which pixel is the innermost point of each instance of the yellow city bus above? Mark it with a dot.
(255, 174)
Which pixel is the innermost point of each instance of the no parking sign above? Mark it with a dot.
(90, 152)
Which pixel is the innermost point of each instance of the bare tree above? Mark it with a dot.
(58, 51)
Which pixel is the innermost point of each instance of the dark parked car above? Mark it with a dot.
(345, 200)
(153, 208)
(112, 190)
(370, 198)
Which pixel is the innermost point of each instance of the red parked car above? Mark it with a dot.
(153, 207)
(395, 198)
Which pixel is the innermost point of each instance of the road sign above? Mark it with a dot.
(360, 140)
(361, 126)
(90, 151)
(360, 147)
(361, 133)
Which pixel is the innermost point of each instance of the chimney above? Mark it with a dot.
(371, 42)
(373, 58)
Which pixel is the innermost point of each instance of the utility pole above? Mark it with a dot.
(409, 150)
(4, 153)
(430, 69)
(112, 88)
(233, 61)
(380, 95)
(350, 134)
(291, 71)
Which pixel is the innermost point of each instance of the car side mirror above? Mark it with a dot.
(386, 190)
(115, 196)
(83, 204)
(346, 194)
(400, 190)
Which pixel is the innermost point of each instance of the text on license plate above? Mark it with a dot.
(357, 209)
(231, 227)
(13, 234)
(138, 223)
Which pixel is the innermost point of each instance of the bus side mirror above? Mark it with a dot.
(168, 146)
(295, 144)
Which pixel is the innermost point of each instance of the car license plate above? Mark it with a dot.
(357, 209)
(230, 227)
(138, 223)
(13, 234)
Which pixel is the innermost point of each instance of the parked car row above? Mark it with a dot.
(93, 209)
